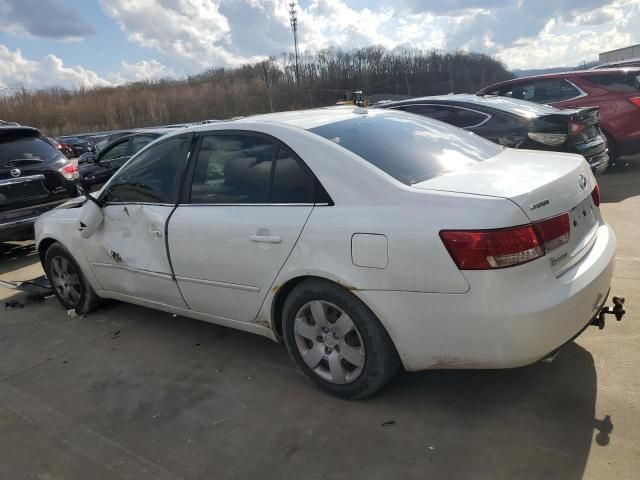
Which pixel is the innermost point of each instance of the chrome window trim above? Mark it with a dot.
(140, 203)
(581, 93)
(487, 115)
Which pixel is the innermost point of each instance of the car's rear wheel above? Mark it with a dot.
(337, 341)
(67, 281)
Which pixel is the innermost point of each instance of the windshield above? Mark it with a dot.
(410, 148)
(17, 147)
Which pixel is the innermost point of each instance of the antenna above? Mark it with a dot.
(293, 17)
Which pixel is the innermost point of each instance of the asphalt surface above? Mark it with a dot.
(131, 393)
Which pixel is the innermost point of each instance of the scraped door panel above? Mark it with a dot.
(128, 253)
(225, 257)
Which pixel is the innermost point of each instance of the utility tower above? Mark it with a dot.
(293, 17)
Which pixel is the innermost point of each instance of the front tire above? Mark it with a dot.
(337, 341)
(67, 281)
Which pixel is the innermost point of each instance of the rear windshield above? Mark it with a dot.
(20, 149)
(628, 82)
(410, 148)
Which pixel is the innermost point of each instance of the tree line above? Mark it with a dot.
(267, 86)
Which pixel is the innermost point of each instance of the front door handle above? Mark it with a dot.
(156, 233)
(264, 235)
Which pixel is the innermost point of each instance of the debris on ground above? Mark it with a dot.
(11, 304)
(389, 423)
(38, 286)
(115, 334)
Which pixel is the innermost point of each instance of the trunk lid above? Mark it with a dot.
(543, 184)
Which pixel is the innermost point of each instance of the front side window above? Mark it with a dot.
(151, 177)
(139, 142)
(232, 169)
(117, 151)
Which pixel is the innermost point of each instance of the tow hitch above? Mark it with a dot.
(617, 310)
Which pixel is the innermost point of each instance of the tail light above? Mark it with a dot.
(635, 101)
(552, 139)
(507, 247)
(575, 128)
(70, 171)
(595, 195)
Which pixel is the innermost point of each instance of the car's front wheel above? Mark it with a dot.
(67, 281)
(337, 341)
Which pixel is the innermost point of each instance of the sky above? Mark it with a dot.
(85, 43)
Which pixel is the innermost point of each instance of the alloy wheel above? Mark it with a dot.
(65, 280)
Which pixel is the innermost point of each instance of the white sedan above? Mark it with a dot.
(365, 240)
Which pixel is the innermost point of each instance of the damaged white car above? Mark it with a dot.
(364, 240)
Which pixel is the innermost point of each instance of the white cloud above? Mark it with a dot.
(192, 32)
(17, 71)
(142, 70)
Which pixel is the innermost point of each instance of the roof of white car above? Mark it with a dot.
(306, 119)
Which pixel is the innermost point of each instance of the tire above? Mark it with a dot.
(69, 285)
(327, 326)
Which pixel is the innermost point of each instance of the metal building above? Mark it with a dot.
(620, 54)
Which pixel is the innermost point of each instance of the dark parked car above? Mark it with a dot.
(517, 124)
(98, 167)
(76, 146)
(616, 91)
(34, 177)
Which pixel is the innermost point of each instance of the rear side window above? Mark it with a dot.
(16, 149)
(618, 83)
(411, 149)
(469, 118)
(542, 91)
(291, 182)
(444, 114)
(151, 177)
(232, 169)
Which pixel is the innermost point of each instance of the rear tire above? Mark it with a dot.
(337, 341)
(69, 285)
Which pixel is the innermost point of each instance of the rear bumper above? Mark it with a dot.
(18, 224)
(599, 163)
(509, 318)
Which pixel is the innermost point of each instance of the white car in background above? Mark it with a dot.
(364, 240)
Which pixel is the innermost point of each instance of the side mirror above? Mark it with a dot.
(91, 215)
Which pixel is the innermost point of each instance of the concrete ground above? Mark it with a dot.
(131, 393)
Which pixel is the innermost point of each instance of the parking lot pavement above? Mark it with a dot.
(133, 393)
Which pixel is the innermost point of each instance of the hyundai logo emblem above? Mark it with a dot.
(582, 181)
(15, 172)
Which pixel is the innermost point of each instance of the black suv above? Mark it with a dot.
(517, 123)
(34, 177)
